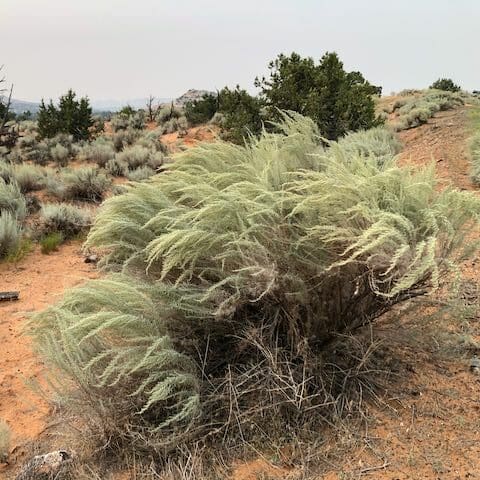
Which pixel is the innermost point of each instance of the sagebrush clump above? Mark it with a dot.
(69, 220)
(241, 266)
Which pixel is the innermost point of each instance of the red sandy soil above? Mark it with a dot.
(40, 279)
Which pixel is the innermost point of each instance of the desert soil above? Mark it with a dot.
(40, 279)
(427, 428)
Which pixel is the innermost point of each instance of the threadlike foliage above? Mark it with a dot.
(12, 199)
(280, 236)
(10, 234)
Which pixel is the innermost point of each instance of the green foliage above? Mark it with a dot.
(338, 101)
(168, 112)
(242, 114)
(5, 436)
(127, 111)
(12, 199)
(66, 219)
(85, 183)
(72, 116)
(140, 387)
(281, 239)
(445, 84)
(50, 242)
(202, 110)
(10, 234)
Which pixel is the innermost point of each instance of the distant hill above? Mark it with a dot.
(20, 106)
(191, 95)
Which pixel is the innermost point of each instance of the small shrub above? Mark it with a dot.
(60, 154)
(138, 156)
(51, 242)
(10, 234)
(475, 158)
(116, 167)
(140, 173)
(99, 152)
(167, 113)
(29, 177)
(5, 437)
(86, 184)
(12, 199)
(124, 138)
(66, 219)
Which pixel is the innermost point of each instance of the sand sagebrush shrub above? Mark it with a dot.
(5, 437)
(116, 167)
(475, 158)
(137, 156)
(100, 152)
(280, 240)
(10, 234)
(140, 173)
(12, 200)
(87, 183)
(67, 219)
(124, 138)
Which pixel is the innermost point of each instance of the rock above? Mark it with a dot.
(45, 467)
(475, 365)
(91, 259)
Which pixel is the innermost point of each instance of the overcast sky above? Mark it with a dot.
(121, 49)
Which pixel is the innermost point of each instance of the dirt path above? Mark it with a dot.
(442, 140)
(40, 279)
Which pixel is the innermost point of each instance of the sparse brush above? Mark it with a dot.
(167, 113)
(116, 167)
(475, 158)
(5, 437)
(10, 234)
(99, 152)
(140, 173)
(50, 242)
(29, 177)
(243, 269)
(416, 110)
(12, 199)
(124, 138)
(64, 218)
(60, 154)
(86, 184)
(151, 140)
(137, 156)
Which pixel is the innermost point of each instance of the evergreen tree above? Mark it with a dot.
(242, 114)
(72, 117)
(338, 101)
(202, 110)
(446, 84)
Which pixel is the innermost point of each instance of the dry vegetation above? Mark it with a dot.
(241, 290)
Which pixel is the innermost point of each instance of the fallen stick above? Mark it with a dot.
(4, 296)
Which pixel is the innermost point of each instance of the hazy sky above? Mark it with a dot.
(120, 49)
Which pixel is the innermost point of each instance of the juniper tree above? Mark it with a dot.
(71, 116)
(338, 101)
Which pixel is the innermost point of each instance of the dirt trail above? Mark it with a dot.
(40, 279)
(442, 140)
